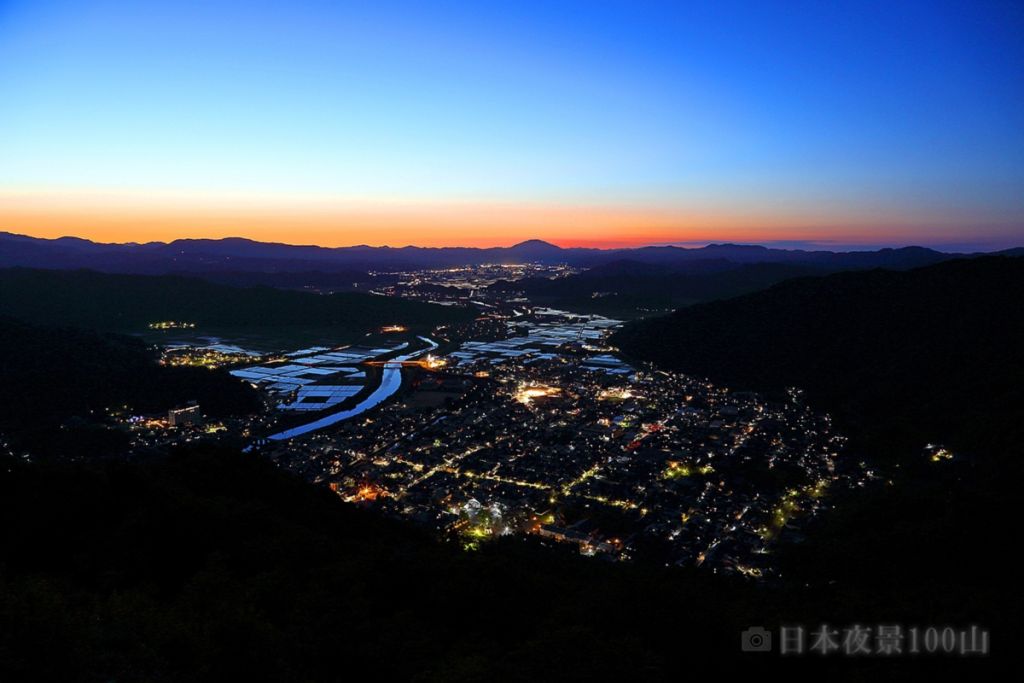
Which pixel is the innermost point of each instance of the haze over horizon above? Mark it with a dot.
(608, 126)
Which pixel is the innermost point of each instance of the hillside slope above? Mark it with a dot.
(932, 354)
(208, 565)
(56, 384)
(631, 288)
(130, 302)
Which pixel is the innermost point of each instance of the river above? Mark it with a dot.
(391, 380)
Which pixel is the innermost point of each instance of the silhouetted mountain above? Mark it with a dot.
(129, 302)
(619, 282)
(49, 375)
(932, 354)
(239, 254)
(535, 250)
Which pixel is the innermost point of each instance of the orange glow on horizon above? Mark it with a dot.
(128, 217)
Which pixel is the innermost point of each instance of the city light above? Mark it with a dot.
(171, 325)
(526, 394)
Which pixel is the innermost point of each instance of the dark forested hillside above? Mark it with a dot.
(56, 383)
(932, 354)
(129, 302)
(631, 288)
(901, 359)
(207, 565)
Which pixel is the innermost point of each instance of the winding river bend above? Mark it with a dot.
(391, 380)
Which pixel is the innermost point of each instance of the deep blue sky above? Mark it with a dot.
(856, 121)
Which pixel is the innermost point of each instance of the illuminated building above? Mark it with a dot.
(188, 415)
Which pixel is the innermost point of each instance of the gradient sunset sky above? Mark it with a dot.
(486, 123)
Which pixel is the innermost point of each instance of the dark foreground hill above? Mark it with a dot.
(901, 358)
(208, 565)
(130, 302)
(56, 385)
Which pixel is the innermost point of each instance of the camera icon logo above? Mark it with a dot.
(756, 639)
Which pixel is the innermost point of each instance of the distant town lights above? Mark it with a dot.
(171, 325)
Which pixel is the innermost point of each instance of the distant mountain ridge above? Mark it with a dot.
(244, 255)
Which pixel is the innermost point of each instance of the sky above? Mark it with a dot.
(595, 123)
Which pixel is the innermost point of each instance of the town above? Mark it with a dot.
(527, 423)
(568, 444)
